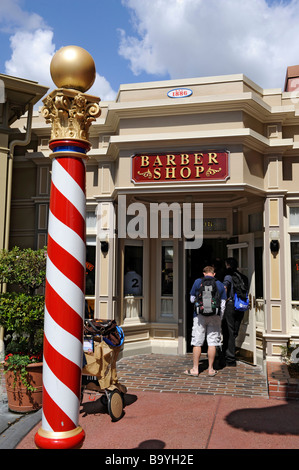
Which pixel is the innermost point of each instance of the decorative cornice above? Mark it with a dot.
(71, 113)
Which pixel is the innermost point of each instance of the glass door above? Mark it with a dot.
(243, 252)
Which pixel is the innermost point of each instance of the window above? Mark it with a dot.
(295, 267)
(214, 224)
(255, 222)
(42, 225)
(133, 285)
(90, 273)
(90, 269)
(294, 216)
(167, 279)
(133, 270)
(258, 267)
(91, 221)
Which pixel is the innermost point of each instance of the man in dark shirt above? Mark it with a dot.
(232, 318)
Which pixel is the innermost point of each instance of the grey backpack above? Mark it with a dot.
(207, 301)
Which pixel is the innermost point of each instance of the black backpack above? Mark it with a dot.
(207, 301)
(240, 283)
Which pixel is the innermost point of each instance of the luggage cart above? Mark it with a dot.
(103, 340)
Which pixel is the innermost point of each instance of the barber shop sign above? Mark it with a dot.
(180, 167)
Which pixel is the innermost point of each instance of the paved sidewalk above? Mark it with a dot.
(165, 421)
(166, 410)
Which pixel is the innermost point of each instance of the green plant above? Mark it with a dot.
(21, 309)
(18, 363)
(23, 268)
(22, 317)
(290, 357)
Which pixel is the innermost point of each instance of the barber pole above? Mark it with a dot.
(70, 112)
(64, 300)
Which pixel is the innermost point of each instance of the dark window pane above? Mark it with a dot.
(133, 270)
(167, 271)
(90, 270)
(295, 269)
(259, 294)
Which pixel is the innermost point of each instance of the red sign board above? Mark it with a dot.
(180, 167)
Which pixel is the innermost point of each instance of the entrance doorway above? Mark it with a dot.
(213, 252)
(249, 255)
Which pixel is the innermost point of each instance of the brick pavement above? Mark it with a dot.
(280, 384)
(157, 372)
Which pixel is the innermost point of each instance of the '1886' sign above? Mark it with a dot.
(201, 166)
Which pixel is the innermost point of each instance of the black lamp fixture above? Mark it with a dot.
(104, 247)
(274, 242)
(274, 246)
(104, 243)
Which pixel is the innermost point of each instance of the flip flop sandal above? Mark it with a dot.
(189, 373)
(213, 375)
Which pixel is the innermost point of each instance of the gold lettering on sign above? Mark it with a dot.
(184, 174)
(157, 173)
(184, 159)
(170, 160)
(168, 171)
(212, 158)
(144, 160)
(198, 159)
(181, 167)
(199, 169)
(157, 161)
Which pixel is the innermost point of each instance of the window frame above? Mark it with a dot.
(160, 317)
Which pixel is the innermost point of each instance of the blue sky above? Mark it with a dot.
(147, 40)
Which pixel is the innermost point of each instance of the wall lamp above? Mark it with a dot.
(274, 243)
(104, 243)
(104, 247)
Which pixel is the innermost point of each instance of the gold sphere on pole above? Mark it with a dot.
(73, 67)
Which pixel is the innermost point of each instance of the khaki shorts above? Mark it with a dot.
(206, 327)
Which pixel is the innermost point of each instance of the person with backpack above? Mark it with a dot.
(208, 296)
(236, 285)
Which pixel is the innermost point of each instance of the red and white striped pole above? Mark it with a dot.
(64, 303)
(65, 272)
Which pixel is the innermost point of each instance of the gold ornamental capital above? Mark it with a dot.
(71, 113)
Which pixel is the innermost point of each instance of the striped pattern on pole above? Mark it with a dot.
(65, 287)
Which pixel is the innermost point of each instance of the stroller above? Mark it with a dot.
(103, 340)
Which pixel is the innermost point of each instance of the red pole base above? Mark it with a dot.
(59, 440)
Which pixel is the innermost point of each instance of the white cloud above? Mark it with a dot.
(187, 38)
(102, 89)
(13, 18)
(31, 55)
(32, 47)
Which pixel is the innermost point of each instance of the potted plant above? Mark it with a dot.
(290, 356)
(22, 316)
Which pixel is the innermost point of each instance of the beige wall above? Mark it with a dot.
(184, 123)
(260, 130)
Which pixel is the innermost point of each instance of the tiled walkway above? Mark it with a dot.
(157, 372)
